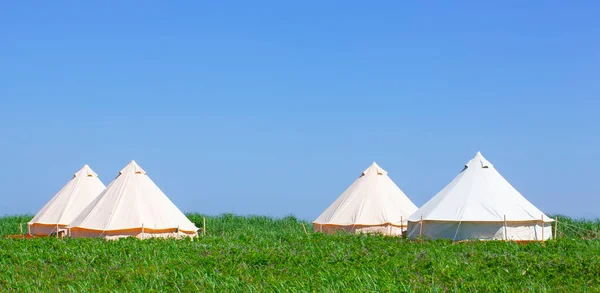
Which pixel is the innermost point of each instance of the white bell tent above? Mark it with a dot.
(372, 204)
(480, 204)
(132, 205)
(67, 203)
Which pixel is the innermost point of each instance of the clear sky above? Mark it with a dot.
(276, 107)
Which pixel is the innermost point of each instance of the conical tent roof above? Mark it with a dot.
(132, 201)
(373, 199)
(479, 194)
(71, 199)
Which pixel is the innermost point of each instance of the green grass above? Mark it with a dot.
(258, 254)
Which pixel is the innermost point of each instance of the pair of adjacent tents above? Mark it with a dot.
(131, 205)
(478, 204)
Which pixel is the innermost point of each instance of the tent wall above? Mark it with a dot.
(137, 233)
(41, 229)
(358, 229)
(515, 231)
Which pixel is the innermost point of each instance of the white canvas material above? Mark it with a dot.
(132, 205)
(474, 206)
(67, 203)
(373, 203)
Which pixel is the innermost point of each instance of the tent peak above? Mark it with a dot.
(374, 169)
(133, 168)
(478, 161)
(85, 171)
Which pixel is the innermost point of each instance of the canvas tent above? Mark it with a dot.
(132, 205)
(480, 204)
(372, 204)
(67, 203)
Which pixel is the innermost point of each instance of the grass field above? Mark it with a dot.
(252, 254)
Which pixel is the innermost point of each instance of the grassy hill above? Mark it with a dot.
(246, 254)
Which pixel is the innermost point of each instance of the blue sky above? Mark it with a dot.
(274, 108)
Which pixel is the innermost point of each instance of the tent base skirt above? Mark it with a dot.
(458, 231)
(46, 229)
(118, 234)
(385, 229)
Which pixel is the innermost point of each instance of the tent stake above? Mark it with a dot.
(304, 229)
(505, 236)
(555, 226)
(203, 225)
(21, 228)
